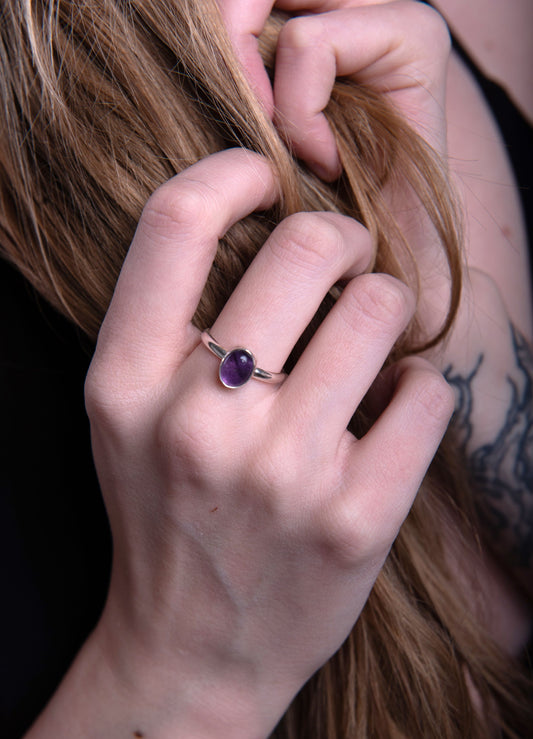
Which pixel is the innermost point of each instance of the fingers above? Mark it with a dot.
(244, 21)
(147, 327)
(284, 286)
(395, 48)
(404, 439)
(345, 355)
(398, 48)
(306, 56)
(384, 469)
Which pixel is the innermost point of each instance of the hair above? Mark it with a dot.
(104, 101)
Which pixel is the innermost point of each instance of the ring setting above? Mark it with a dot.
(238, 365)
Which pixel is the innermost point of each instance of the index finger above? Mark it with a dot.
(147, 328)
(244, 21)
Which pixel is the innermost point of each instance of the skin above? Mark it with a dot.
(343, 38)
(497, 292)
(498, 37)
(467, 135)
(198, 479)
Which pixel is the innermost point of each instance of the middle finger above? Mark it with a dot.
(282, 289)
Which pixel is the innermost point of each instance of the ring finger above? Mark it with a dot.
(282, 289)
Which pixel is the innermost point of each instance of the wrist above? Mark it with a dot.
(108, 692)
(171, 695)
(174, 691)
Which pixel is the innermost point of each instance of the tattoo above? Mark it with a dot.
(502, 470)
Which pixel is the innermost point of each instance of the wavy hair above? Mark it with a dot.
(104, 100)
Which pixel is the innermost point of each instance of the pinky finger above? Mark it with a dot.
(388, 465)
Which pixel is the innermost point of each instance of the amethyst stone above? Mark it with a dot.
(236, 368)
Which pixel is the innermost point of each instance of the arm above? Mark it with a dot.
(487, 357)
(494, 376)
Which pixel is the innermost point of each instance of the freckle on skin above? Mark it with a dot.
(506, 231)
(214, 509)
(138, 733)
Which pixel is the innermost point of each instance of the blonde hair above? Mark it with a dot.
(102, 102)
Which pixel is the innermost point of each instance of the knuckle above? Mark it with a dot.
(341, 541)
(273, 473)
(178, 209)
(300, 33)
(348, 537)
(96, 395)
(187, 425)
(107, 404)
(187, 440)
(380, 299)
(279, 474)
(436, 397)
(308, 242)
(431, 26)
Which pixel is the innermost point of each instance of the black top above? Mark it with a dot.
(53, 530)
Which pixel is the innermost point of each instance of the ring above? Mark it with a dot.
(238, 365)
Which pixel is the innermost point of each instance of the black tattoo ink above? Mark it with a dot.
(465, 401)
(502, 470)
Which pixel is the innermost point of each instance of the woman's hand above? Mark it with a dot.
(398, 48)
(248, 524)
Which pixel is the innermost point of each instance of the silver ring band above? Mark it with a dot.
(238, 365)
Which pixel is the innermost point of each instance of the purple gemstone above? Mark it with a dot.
(236, 368)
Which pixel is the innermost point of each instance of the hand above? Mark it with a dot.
(248, 525)
(398, 48)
